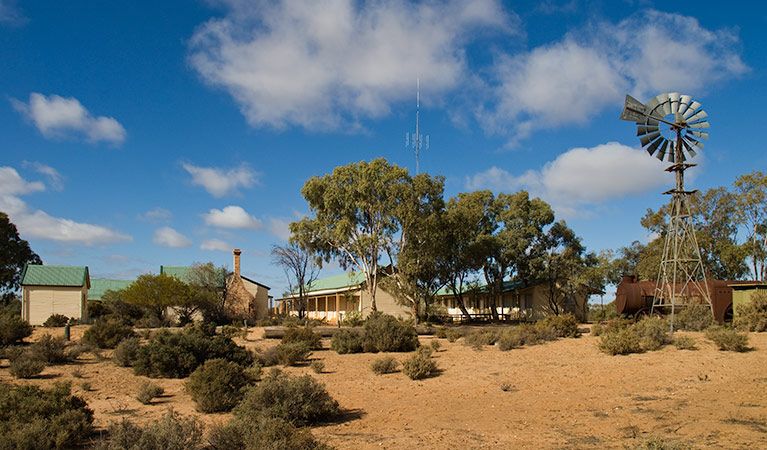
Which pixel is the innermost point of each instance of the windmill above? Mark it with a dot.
(671, 126)
(416, 140)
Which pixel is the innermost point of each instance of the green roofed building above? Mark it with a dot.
(101, 285)
(47, 290)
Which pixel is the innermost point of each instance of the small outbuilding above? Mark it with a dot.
(47, 290)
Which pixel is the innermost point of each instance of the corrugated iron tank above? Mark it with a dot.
(633, 297)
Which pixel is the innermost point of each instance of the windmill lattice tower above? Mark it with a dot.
(681, 278)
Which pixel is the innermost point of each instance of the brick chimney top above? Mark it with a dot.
(237, 253)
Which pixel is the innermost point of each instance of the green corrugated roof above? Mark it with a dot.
(180, 272)
(339, 281)
(101, 285)
(40, 275)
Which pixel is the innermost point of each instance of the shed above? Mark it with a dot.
(47, 290)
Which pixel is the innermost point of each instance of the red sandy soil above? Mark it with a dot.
(564, 394)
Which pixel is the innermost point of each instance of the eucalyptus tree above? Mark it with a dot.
(15, 253)
(300, 270)
(751, 192)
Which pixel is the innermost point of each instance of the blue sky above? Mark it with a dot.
(135, 134)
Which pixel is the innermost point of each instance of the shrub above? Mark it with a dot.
(317, 366)
(254, 371)
(55, 321)
(35, 418)
(171, 432)
(453, 335)
(285, 354)
(435, 345)
(425, 351)
(510, 338)
(13, 328)
(97, 309)
(230, 331)
(564, 326)
(694, 318)
(176, 355)
(300, 400)
(302, 334)
(621, 342)
(479, 338)
(148, 392)
(352, 319)
(441, 333)
(25, 366)
(262, 433)
(126, 350)
(217, 385)
(75, 350)
(385, 364)
(657, 443)
(418, 366)
(51, 350)
(385, 333)
(654, 333)
(597, 329)
(728, 338)
(107, 333)
(347, 341)
(752, 316)
(684, 343)
(598, 313)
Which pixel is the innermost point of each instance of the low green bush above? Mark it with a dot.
(752, 316)
(621, 341)
(171, 432)
(13, 328)
(97, 309)
(479, 338)
(435, 345)
(126, 351)
(653, 333)
(284, 354)
(217, 385)
(262, 433)
(418, 366)
(300, 400)
(317, 366)
(727, 338)
(346, 341)
(352, 319)
(564, 325)
(107, 333)
(35, 418)
(148, 392)
(441, 333)
(597, 329)
(25, 366)
(684, 343)
(383, 365)
(56, 321)
(453, 335)
(694, 318)
(231, 331)
(302, 334)
(385, 333)
(50, 350)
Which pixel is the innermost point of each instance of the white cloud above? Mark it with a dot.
(55, 178)
(215, 244)
(156, 215)
(58, 117)
(280, 227)
(38, 224)
(10, 13)
(582, 176)
(219, 182)
(232, 217)
(325, 65)
(573, 80)
(168, 237)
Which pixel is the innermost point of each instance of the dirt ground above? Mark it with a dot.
(564, 394)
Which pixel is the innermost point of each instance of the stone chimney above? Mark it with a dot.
(237, 253)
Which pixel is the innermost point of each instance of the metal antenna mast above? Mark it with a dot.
(681, 278)
(416, 141)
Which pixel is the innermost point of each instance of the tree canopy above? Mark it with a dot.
(14, 254)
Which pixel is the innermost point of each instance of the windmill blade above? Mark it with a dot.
(694, 142)
(665, 103)
(655, 106)
(662, 151)
(649, 138)
(674, 102)
(693, 107)
(703, 124)
(697, 116)
(688, 148)
(654, 146)
(671, 152)
(642, 130)
(649, 121)
(684, 102)
(700, 134)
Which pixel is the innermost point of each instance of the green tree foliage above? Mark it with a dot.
(157, 293)
(751, 192)
(14, 254)
(208, 293)
(12, 327)
(354, 218)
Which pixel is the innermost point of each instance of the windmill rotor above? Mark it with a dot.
(665, 120)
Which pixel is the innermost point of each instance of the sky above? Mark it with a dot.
(138, 134)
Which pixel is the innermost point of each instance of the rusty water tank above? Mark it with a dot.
(633, 296)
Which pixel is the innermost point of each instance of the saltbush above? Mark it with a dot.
(694, 318)
(171, 432)
(653, 333)
(441, 333)
(176, 355)
(453, 335)
(35, 418)
(107, 333)
(231, 331)
(55, 321)
(477, 339)
(727, 338)
(684, 343)
(13, 328)
(126, 350)
(752, 316)
(300, 400)
(25, 366)
(621, 341)
(317, 366)
(347, 341)
(302, 334)
(435, 345)
(50, 350)
(597, 329)
(418, 366)
(352, 319)
(385, 333)
(383, 365)
(563, 326)
(262, 433)
(217, 385)
(148, 392)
